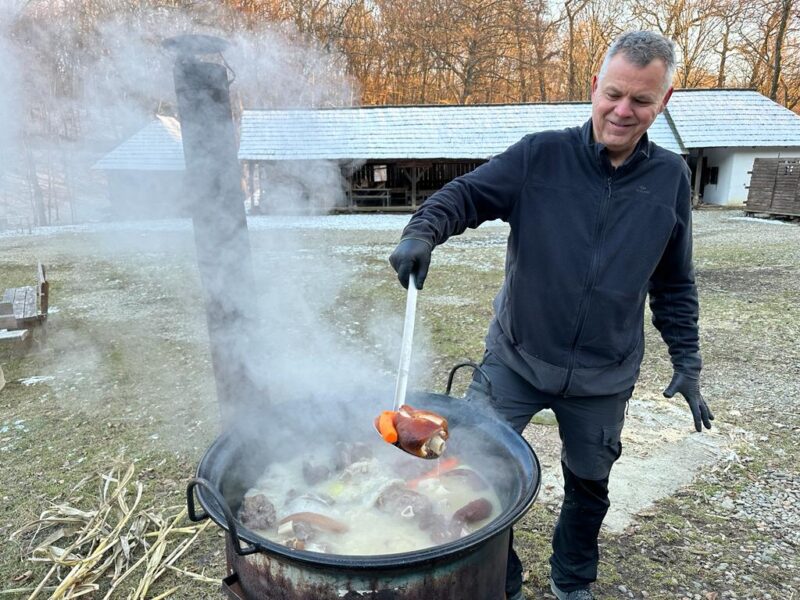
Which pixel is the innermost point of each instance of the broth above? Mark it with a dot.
(368, 500)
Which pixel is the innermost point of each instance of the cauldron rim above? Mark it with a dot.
(506, 519)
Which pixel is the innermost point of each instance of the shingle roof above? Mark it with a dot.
(156, 147)
(731, 118)
(409, 132)
(702, 118)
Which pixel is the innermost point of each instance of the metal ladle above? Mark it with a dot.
(405, 352)
(405, 346)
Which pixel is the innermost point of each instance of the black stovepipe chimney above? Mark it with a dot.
(216, 201)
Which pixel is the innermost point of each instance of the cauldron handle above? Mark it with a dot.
(475, 367)
(222, 505)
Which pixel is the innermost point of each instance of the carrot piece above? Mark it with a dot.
(447, 464)
(386, 426)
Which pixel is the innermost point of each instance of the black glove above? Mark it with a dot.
(412, 256)
(689, 387)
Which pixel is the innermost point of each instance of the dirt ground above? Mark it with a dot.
(124, 371)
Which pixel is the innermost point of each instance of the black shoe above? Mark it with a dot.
(576, 595)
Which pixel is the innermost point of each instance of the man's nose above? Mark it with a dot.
(623, 108)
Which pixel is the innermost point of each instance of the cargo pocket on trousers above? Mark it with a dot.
(612, 445)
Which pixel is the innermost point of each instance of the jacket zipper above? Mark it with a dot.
(583, 306)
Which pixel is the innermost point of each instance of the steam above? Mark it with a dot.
(321, 354)
(9, 101)
(298, 353)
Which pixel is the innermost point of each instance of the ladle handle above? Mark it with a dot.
(405, 346)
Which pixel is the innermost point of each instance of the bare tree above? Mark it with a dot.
(780, 37)
(690, 24)
(728, 15)
(572, 9)
(596, 27)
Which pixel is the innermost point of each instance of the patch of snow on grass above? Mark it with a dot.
(358, 222)
(36, 379)
(757, 220)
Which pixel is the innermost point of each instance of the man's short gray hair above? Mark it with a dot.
(641, 48)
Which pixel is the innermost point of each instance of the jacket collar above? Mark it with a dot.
(640, 152)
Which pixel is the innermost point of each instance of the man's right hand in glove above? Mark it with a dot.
(412, 256)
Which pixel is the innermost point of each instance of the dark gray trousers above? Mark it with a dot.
(590, 429)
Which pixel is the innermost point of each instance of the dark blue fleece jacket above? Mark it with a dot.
(588, 242)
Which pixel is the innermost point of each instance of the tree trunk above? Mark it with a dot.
(571, 59)
(786, 9)
(37, 195)
(723, 56)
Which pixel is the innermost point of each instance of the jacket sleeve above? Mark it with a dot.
(484, 194)
(673, 292)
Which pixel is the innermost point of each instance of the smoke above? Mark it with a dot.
(9, 116)
(111, 77)
(92, 80)
(300, 187)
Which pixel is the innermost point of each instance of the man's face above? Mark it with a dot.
(625, 102)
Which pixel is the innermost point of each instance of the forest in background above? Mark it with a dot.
(80, 75)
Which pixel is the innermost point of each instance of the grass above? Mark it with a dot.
(128, 351)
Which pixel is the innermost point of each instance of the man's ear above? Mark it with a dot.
(594, 84)
(667, 96)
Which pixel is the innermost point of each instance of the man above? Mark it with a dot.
(600, 217)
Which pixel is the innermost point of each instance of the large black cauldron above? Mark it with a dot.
(471, 568)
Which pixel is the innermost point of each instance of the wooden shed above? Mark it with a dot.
(775, 187)
(724, 131)
(391, 158)
(145, 172)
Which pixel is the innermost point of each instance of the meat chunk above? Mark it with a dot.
(399, 501)
(257, 512)
(439, 529)
(346, 453)
(475, 511)
(419, 432)
(313, 474)
(304, 523)
(475, 482)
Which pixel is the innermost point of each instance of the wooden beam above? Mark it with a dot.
(414, 179)
(251, 190)
(698, 177)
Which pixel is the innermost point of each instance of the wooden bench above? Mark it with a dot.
(24, 307)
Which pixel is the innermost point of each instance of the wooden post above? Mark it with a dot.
(414, 179)
(412, 174)
(214, 183)
(350, 173)
(698, 177)
(262, 178)
(249, 167)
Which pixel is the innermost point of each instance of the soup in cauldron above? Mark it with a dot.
(367, 499)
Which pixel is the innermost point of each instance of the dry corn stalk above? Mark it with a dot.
(114, 541)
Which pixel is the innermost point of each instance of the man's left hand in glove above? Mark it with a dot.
(689, 388)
